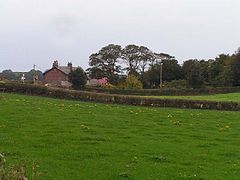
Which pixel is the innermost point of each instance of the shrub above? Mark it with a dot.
(131, 82)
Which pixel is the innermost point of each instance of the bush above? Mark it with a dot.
(131, 82)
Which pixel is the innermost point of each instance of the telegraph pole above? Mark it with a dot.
(34, 74)
(160, 75)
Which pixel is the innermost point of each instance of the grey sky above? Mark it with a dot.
(40, 31)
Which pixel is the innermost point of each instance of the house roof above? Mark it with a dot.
(64, 69)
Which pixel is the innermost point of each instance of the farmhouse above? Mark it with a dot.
(58, 75)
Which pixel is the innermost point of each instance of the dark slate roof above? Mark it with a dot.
(66, 69)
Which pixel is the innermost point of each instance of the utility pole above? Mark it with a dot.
(160, 76)
(34, 74)
(159, 59)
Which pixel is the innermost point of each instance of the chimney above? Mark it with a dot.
(70, 66)
(55, 64)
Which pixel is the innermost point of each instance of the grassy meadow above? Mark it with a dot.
(77, 140)
(234, 97)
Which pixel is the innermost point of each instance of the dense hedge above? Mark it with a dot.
(119, 99)
(24, 88)
(165, 91)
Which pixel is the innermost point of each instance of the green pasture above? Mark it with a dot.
(77, 140)
(234, 97)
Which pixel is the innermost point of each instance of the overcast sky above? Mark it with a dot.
(40, 31)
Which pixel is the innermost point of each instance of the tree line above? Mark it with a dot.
(142, 65)
(116, 63)
(16, 76)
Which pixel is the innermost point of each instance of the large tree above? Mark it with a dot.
(171, 70)
(137, 60)
(106, 63)
(9, 74)
(193, 74)
(146, 56)
(131, 57)
(235, 68)
(220, 71)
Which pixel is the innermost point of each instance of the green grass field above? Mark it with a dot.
(76, 140)
(235, 97)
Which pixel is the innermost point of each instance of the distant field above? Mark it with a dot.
(76, 140)
(235, 97)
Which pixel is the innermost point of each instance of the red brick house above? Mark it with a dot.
(58, 75)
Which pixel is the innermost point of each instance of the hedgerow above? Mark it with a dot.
(118, 99)
(164, 91)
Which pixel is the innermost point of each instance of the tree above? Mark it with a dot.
(193, 73)
(145, 58)
(9, 74)
(131, 56)
(137, 60)
(29, 75)
(78, 78)
(221, 71)
(235, 68)
(152, 77)
(106, 63)
(171, 70)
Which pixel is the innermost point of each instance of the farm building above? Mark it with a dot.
(58, 75)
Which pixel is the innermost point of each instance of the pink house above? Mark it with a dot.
(102, 81)
(95, 82)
